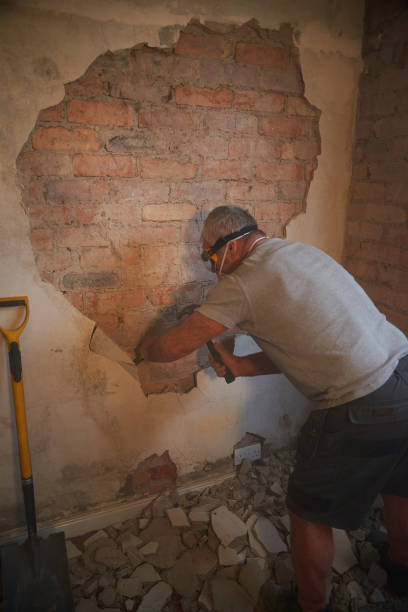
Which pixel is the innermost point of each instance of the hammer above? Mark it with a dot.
(229, 376)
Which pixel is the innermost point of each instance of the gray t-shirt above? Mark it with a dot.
(311, 318)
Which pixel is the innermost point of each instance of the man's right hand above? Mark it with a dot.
(255, 364)
(228, 359)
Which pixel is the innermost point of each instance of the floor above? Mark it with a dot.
(213, 550)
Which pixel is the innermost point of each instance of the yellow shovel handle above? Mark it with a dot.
(12, 336)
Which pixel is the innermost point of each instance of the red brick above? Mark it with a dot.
(162, 296)
(396, 191)
(139, 191)
(109, 320)
(76, 300)
(114, 300)
(42, 239)
(101, 113)
(299, 149)
(364, 231)
(91, 280)
(366, 270)
(288, 80)
(145, 234)
(160, 265)
(231, 122)
(379, 213)
(191, 231)
(380, 294)
(44, 164)
(76, 190)
(193, 268)
(214, 47)
(177, 118)
(283, 126)
(373, 251)
(190, 294)
(73, 237)
(393, 276)
(273, 229)
(390, 127)
(261, 55)
(168, 212)
(98, 258)
(262, 191)
(279, 172)
(130, 256)
(51, 262)
(197, 96)
(52, 114)
(203, 146)
(62, 139)
(89, 213)
(261, 148)
(300, 106)
(394, 234)
(292, 190)
(140, 90)
(264, 102)
(89, 85)
(367, 191)
(210, 191)
(227, 169)
(282, 211)
(238, 191)
(43, 216)
(105, 165)
(167, 169)
(36, 191)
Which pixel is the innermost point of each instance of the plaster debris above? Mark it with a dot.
(268, 536)
(178, 517)
(190, 569)
(72, 551)
(227, 525)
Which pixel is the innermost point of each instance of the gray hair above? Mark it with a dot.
(224, 220)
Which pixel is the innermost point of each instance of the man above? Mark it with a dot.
(315, 324)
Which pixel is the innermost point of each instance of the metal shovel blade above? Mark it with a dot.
(36, 576)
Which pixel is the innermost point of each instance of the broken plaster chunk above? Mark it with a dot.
(356, 593)
(178, 517)
(377, 575)
(199, 516)
(146, 573)
(99, 535)
(72, 551)
(156, 598)
(252, 576)
(228, 556)
(150, 548)
(229, 595)
(285, 521)
(110, 556)
(129, 587)
(143, 522)
(227, 525)
(107, 597)
(269, 537)
(87, 605)
(376, 596)
(344, 557)
(256, 547)
(205, 600)
(129, 541)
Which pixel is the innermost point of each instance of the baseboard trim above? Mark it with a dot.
(108, 515)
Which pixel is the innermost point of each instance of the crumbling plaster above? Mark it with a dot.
(89, 421)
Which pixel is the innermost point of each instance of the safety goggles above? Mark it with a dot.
(210, 254)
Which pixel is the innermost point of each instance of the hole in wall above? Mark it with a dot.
(117, 178)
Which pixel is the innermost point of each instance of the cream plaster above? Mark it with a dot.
(89, 422)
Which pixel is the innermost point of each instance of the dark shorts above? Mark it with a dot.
(348, 454)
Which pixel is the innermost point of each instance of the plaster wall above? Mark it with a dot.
(89, 422)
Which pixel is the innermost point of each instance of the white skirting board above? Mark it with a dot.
(108, 515)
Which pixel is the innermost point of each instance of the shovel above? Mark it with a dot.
(35, 573)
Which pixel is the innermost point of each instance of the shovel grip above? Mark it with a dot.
(229, 376)
(29, 506)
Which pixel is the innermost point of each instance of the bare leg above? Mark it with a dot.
(312, 557)
(396, 519)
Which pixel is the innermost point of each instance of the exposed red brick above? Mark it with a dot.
(273, 229)
(98, 258)
(292, 190)
(167, 169)
(62, 139)
(89, 236)
(91, 280)
(108, 320)
(76, 300)
(261, 55)
(90, 85)
(42, 239)
(261, 148)
(367, 191)
(197, 96)
(257, 191)
(258, 101)
(76, 190)
(364, 231)
(139, 191)
(214, 47)
(211, 191)
(140, 90)
(177, 118)
(373, 251)
(105, 165)
(283, 126)
(44, 164)
(227, 169)
(151, 234)
(300, 106)
(276, 210)
(378, 213)
(52, 114)
(231, 122)
(168, 212)
(114, 300)
(162, 296)
(130, 256)
(279, 172)
(44, 216)
(88, 213)
(58, 260)
(238, 191)
(299, 149)
(204, 146)
(160, 265)
(101, 113)
(366, 270)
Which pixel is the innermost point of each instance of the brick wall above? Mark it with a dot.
(376, 250)
(117, 178)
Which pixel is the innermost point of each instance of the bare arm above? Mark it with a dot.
(182, 339)
(255, 364)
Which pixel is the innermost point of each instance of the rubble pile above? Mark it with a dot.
(212, 550)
